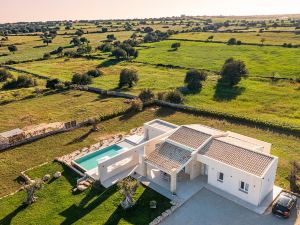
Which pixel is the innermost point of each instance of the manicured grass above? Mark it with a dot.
(60, 107)
(12, 162)
(57, 204)
(261, 61)
(253, 37)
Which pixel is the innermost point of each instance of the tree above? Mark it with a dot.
(31, 189)
(146, 95)
(148, 30)
(119, 53)
(12, 48)
(21, 82)
(127, 187)
(84, 40)
(75, 41)
(4, 75)
(107, 47)
(104, 29)
(175, 45)
(262, 41)
(79, 32)
(47, 40)
(52, 83)
(232, 41)
(174, 96)
(81, 79)
(294, 176)
(128, 77)
(193, 79)
(95, 73)
(46, 56)
(210, 38)
(233, 71)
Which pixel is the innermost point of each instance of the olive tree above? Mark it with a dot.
(193, 79)
(233, 71)
(128, 77)
(12, 48)
(127, 187)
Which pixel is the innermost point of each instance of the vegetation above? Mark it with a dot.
(4, 75)
(127, 188)
(21, 82)
(146, 95)
(174, 96)
(193, 79)
(232, 72)
(128, 77)
(81, 79)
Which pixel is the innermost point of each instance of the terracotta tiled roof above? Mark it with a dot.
(241, 158)
(189, 137)
(169, 157)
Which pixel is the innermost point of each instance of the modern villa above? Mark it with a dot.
(177, 158)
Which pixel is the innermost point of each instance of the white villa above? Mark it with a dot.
(177, 158)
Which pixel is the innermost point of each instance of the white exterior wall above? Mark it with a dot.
(268, 179)
(152, 132)
(232, 178)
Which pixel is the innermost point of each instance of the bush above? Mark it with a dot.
(59, 86)
(161, 96)
(175, 45)
(105, 47)
(81, 79)
(119, 53)
(174, 97)
(233, 71)
(193, 79)
(46, 56)
(52, 83)
(128, 77)
(4, 75)
(94, 73)
(136, 105)
(232, 41)
(21, 82)
(146, 95)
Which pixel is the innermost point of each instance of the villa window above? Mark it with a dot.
(244, 187)
(220, 176)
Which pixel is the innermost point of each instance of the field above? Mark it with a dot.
(261, 61)
(277, 102)
(60, 107)
(44, 150)
(31, 47)
(58, 205)
(252, 37)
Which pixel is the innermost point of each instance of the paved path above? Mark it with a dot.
(208, 208)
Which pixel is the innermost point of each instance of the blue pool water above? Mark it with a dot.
(90, 161)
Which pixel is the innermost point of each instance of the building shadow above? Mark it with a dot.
(226, 93)
(8, 219)
(76, 212)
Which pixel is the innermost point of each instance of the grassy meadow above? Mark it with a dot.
(251, 37)
(60, 107)
(261, 61)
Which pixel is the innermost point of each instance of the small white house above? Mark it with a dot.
(236, 164)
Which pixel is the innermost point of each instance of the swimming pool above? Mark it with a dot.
(90, 161)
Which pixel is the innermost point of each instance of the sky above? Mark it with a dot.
(44, 10)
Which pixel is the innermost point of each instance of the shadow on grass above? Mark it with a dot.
(7, 219)
(128, 114)
(140, 213)
(81, 138)
(76, 212)
(108, 63)
(40, 46)
(164, 112)
(226, 93)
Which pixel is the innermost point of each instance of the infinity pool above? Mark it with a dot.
(90, 161)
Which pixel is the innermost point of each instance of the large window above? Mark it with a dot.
(244, 187)
(220, 176)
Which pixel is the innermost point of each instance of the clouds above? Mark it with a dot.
(41, 10)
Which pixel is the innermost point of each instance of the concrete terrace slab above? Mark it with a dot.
(208, 208)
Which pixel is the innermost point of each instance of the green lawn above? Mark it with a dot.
(261, 61)
(12, 162)
(57, 204)
(253, 37)
(60, 107)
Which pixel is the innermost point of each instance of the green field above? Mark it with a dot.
(59, 107)
(58, 205)
(253, 37)
(44, 150)
(261, 61)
